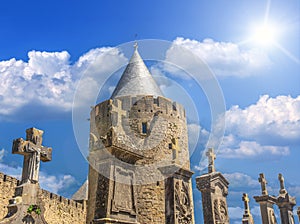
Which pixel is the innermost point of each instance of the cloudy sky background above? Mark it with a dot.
(45, 48)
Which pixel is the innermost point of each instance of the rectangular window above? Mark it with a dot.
(144, 128)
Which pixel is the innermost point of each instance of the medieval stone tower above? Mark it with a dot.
(139, 158)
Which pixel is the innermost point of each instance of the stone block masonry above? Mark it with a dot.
(56, 209)
(7, 191)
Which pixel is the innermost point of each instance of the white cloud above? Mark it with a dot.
(235, 212)
(249, 149)
(49, 79)
(264, 130)
(15, 172)
(2, 152)
(268, 119)
(241, 180)
(56, 183)
(294, 191)
(224, 58)
(197, 134)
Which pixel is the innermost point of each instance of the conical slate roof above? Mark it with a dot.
(82, 193)
(136, 79)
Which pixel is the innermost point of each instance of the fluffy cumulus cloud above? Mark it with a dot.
(56, 184)
(241, 180)
(234, 148)
(277, 117)
(49, 79)
(197, 134)
(265, 130)
(224, 58)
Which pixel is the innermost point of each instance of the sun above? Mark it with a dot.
(265, 35)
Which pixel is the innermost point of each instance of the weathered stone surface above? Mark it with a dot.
(133, 137)
(214, 190)
(247, 217)
(27, 203)
(285, 203)
(7, 191)
(54, 209)
(298, 213)
(33, 152)
(60, 210)
(266, 202)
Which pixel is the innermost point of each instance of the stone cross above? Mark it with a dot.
(263, 182)
(119, 112)
(33, 152)
(175, 148)
(211, 160)
(245, 199)
(281, 180)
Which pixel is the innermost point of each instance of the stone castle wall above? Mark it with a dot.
(58, 210)
(7, 191)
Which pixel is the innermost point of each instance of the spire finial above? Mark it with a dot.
(135, 45)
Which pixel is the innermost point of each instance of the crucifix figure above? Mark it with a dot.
(263, 182)
(211, 160)
(33, 152)
(245, 199)
(281, 180)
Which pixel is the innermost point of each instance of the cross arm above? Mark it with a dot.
(20, 146)
(46, 154)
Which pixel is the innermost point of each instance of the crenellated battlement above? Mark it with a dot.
(57, 199)
(141, 104)
(9, 179)
(56, 206)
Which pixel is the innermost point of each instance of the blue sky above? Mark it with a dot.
(45, 47)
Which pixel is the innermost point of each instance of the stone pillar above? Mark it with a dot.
(247, 217)
(26, 206)
(298, 213)
(266, 202)
(178, 195)
(285, 203)
(214, 190)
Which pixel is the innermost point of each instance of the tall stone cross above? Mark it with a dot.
(33, 152)
(211, 160)
(245, 199)
(263, 182)
(281, 180)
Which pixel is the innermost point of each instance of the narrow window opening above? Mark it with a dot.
(144, 128)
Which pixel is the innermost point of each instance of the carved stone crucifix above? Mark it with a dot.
(33, 152)
(211, 160)
(263, 182)
(281, 180)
